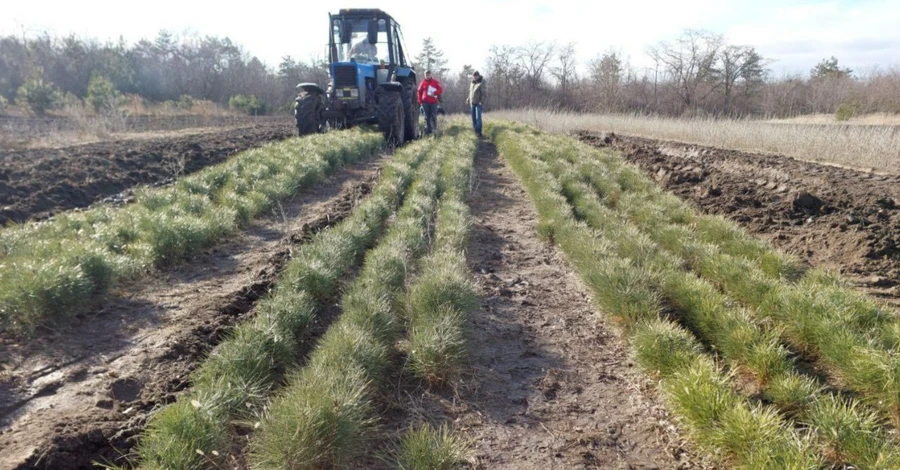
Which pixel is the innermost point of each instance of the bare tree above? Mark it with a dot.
(507, 77)
(565, 72)
(690, 63)
(534, 58)
(606, 76)
(456, 90)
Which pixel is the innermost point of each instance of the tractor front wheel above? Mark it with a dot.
(308, 113)
(411, 110)
(391, 118)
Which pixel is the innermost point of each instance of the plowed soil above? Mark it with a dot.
(840, 218)
(36, 183)
(83, 393)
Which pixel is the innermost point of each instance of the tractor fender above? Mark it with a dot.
(391, 86)
(311, 88)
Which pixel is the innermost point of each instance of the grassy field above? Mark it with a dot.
(857, 146)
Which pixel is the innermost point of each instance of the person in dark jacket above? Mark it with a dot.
(477, 95)
(429, 96)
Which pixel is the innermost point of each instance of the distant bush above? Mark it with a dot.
(38, 96)
(249, 104)
(185, 102)
(847, 111)
(102, 93)
(3, 103)
(69, 100)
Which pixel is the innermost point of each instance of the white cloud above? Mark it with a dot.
(796, 33)
(860, 34)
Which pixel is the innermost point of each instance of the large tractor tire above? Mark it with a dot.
(411, 110)
(391, 118)
(308, 113)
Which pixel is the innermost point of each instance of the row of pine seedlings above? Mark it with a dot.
(766, 366)
(234, 381)
(53, 270)
(436, 310)
(320, 418)
(254, 399)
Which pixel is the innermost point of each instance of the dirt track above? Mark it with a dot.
(839, 218)
(552, 386)
(36, 183)
(84, 394)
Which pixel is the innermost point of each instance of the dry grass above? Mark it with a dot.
(875, 148)
(76, 123)
(873, 119)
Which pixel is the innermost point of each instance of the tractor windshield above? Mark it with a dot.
(359, 49)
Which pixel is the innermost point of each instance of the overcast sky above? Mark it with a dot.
(796, 34)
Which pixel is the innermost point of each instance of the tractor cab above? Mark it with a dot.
(370, 77)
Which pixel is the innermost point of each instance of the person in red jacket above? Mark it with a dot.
(429, 96)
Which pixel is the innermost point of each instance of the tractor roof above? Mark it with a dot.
(364, 12)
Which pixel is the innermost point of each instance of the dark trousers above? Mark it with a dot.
(430, 117)
(476, 118)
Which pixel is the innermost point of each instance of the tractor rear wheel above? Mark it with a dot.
(391, 117)
(411, 110)
(308, 113)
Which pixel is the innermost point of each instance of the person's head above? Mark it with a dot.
(428, 75)
(476, 76)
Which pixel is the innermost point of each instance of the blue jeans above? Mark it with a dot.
(430, 117)
(476, 118)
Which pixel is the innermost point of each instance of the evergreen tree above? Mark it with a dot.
(431, 58)
(829, 68)
(465, 75)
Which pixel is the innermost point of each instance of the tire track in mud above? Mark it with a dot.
(829, 216)
(84, 395)
(548, 385)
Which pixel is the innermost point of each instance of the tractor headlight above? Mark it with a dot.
(349, 93)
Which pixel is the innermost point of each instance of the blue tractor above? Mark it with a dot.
(370, 80)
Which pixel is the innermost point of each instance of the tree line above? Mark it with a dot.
(697, 73)
(47, 72)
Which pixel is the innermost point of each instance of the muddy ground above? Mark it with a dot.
(36, 183)
(83, 393)
(834, 217)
